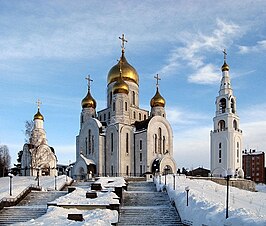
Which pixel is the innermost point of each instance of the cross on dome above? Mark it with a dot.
(38, 103)
(88, 78)
(123, 40)
(225, 54)
(157, 80)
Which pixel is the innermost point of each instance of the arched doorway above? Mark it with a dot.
(167, 170)
(92, 169)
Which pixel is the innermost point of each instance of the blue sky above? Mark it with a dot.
(49, 47)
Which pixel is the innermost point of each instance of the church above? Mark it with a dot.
(226, 136)
(123, 139)
(38, 158)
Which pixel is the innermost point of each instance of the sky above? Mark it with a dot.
(47, 48)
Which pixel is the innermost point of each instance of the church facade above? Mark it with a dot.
(123, 139)
(226, 136)
(38, 158)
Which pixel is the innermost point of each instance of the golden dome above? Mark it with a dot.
(88, 101)
(157, 100)
(128, 72)
(38, 115)
(120, 86)
(225, 67)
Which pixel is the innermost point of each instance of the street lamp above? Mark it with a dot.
(10, 183)
(55, 188)
(165, 173)
(187, 190)
(174, 181)
(38, 176)
(227, 174)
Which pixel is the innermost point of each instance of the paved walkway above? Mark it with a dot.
(143, 205)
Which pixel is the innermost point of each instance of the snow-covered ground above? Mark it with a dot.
(19, 183)
(207, 203)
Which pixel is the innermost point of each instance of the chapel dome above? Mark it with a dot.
(128, 72)
(225, 67)
(38, 115)
(120, 86)
(157, 100)
(88, 101)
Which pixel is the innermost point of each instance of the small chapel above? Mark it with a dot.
(123, 139)
(38, 158)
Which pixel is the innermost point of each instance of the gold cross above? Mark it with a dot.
(157, 79)
(123, 42)
(38, 103)
(89, 81)
(224, 54)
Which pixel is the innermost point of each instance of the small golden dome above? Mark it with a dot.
(128, 72)
(225, 67)
(120, 86)
(88, 101)
(38, 115)
(157, 100)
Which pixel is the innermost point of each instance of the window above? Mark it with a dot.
(235, 124)
(81, 118)
(134, 114)
(222, 105)
(127, 143)
(140, 145)
(112, 170)
(112, 142)
(163, 144)
(139, 116)
(125, 106)
(127, 171)
(155, 143)
(140, 157)
(89, 141)
(221, 125)
(140, 169)
(160, 140)
(144, 117)
(233, 105)
(92, 144)
(133, 98)
(220, 153)
(113, 106)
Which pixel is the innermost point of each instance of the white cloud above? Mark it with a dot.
(260, 46)
(193, 50)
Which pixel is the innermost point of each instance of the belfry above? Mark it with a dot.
(123, 139)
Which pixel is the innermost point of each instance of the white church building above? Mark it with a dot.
(226, 136)
(38, 158)
(123, 139)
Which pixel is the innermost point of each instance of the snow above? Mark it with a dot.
(58, 216)
(206, 204)
(261, 188)
(111, 182)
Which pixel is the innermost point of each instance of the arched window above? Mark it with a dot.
(127, 171)
(222, 105)
(164, 144)
(139, 116)
(144, 117)
(221, 125)
(155, 143)
(89, 141)
(112, 142)
(235, 124)
(233, 106)
(160, 140)
(125, 106)
(133, 98)
(134, 114)
(113, 106)
(220, 153)
(127, 137)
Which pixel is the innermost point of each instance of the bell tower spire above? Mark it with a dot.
(226, 137)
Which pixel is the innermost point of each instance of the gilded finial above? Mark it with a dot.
(88, 78)
(157, 80)
(123, 40)
(225, 67)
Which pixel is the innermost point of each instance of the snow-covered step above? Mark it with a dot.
(143, 205)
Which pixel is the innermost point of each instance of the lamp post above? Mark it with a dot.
(165, 173)
(38, 176)
(227, 174)
(174, 181)
(187, 190)
(55, 188)
(10, 183)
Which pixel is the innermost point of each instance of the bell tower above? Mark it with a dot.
(226, 136)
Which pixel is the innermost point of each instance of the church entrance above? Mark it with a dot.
(92, 169)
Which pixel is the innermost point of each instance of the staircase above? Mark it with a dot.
(143, 205)
(32, 206)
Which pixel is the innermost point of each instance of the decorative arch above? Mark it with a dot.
(221, 125)
(222, 105)
(235, 126)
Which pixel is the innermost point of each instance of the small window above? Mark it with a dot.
(140, 157)
(139, 116)
(125, 106)
(222, 105)
(134, 114)
(112, 170)
(144, 117)
(113, 106)
(133, 98)
(112, 142)
(127, 171)
(140, 145)
(127, 143)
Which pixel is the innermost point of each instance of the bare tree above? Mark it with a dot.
(5, 160)
(29, 124)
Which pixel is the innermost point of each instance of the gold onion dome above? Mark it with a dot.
(157, 100)
(128, 72)
(38, 115)
(120, 86)
(225, 67)
(88, 101)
